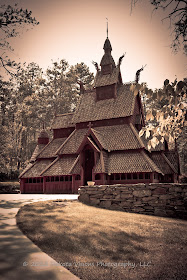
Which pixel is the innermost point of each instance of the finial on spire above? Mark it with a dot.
(107, 27)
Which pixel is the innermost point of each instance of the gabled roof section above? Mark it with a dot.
(61, 166)
(36, 169)
(118, 137)
(163, 163)
(62, 121)
(130, 163)
(76, 167)
(88, 109)
(50, 149)
(173, 157)
(88, 141)
(37, 150)
(106, 80)
(74, 141)
(102, 163)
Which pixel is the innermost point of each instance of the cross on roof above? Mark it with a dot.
(90, 125)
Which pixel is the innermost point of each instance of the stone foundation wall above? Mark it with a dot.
(166, 200)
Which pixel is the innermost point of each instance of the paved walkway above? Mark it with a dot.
(19, 257)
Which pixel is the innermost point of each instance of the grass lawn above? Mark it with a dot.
(103, 244)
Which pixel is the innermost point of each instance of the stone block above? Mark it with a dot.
(148, 207)
(138, 209)
(149, 198)
(160, 212)
(115, 206)
(142, 193)
(97, 195)
(159, 191)
(84, 198)
(164, 196)
(126, 195)
(94, 201)
(118, 196)
(108, 196)
(105, 203)
(102, 187)
(125, 203)
(178, 189)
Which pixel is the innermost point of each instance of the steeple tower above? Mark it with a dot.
(107, 61)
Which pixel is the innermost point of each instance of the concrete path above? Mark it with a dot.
(19, 257)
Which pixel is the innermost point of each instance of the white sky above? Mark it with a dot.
(75, 30)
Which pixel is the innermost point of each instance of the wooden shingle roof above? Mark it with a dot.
(51, 148)
(75, 139)
(62, 121)
(163, 163)
(89, 110)
(36, 169)
(131, 162)
(107, 79)
(118, 137)
(61, 166)
(37, 150)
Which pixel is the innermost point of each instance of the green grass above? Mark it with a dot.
(85, 237)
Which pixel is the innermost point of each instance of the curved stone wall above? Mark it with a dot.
(153, 199)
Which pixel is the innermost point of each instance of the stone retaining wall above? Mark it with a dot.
(152, 199)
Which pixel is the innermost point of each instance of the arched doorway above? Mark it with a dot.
(88, 164)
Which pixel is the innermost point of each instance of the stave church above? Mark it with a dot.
(99, 141)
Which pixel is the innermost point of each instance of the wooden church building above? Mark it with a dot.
(99, 141)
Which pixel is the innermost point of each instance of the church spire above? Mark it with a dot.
(107, 28)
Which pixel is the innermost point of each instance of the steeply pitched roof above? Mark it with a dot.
(75, 139)
(36, 169)
(62, 121)
(118, 137)
(90, 110)
(37, 150)
(163, 163)
(51, 148)
(102, 163)
(111, 138)
(107, 79)
(61, 166)
(130, 162)
(172, 156)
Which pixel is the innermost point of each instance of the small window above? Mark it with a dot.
(66, 178)
(30, 180)
(141, 176)
(112, 177)
(147, 175)
(62, 178)
(57, 179)
(38, 180)
(70, 178)
(123, 176)
(41, 180)
(47, 179)
(77, 177)
(52, 179)
(97, 177)
(128, 176)
(34, 180)
(135, 176)
(117, 177)
(26, 180)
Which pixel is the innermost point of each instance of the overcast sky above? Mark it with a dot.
(75, 30)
